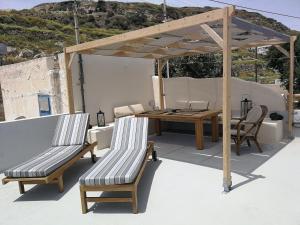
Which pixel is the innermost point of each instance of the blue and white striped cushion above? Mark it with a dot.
(45, 163)
(71, 129)
(67, 142)
(122, 163)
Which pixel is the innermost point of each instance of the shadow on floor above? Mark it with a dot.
(181, 147)
(46, 192)
(144, 190)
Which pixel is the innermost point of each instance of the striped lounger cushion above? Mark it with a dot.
(45, 163)
(71, 129)
(123, 162)
(67, 142)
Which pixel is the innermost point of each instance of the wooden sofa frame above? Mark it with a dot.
(56, 176)
(132, 187)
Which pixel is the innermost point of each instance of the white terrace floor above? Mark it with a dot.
(184, 187)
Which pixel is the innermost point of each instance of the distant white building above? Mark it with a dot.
(263, 50)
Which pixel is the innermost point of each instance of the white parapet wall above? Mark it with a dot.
(210, 89)
(22, 139)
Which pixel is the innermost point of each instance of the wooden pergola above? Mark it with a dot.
(213, 31)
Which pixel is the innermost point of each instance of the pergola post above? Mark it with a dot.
(291, 85)
(69, 82)
(226, 100)
(160, 66)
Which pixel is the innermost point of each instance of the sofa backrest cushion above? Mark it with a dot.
(137, 108)
(182, 104)
(199, 105)
(123, 111)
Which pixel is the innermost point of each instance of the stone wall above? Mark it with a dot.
(22, 82)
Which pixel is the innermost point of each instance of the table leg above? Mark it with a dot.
(214, 128)
(199, 134)
(157, 127)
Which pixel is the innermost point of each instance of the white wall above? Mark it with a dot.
(22, 139)
(210, 89)
(111, 82)
(20, 83)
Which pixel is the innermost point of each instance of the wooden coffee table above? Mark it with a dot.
(194, 117)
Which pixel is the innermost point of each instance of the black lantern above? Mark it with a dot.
(100, 119)
(246, 105)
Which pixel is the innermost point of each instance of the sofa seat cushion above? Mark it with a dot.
(45, 163)
(123, 111)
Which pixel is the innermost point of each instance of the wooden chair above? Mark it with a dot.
(248, 127)
(68, 146)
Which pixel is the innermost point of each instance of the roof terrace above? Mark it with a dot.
(182, 187)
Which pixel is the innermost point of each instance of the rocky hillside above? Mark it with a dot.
(47, 28)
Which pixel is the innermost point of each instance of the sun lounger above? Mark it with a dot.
(68, 146)
(122, 167)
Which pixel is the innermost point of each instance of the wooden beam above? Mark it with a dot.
(69, 82)
(160, 66)
(282, 50)
(227, 100)
(186, 22)
(291, 85)
(213, 34)
(71, 60)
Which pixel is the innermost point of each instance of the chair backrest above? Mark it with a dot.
(261, 119)
(71, 129)
(130, 133)
(256, 115)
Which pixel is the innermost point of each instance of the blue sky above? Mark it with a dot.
(290, 7)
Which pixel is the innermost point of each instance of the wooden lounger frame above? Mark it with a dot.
(132, 187)
(54, 177)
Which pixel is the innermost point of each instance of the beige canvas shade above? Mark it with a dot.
(192, 38)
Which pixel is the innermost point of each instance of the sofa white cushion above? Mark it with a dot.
(199, 105)
(182, 104)
(123, 111)
(137, 108)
